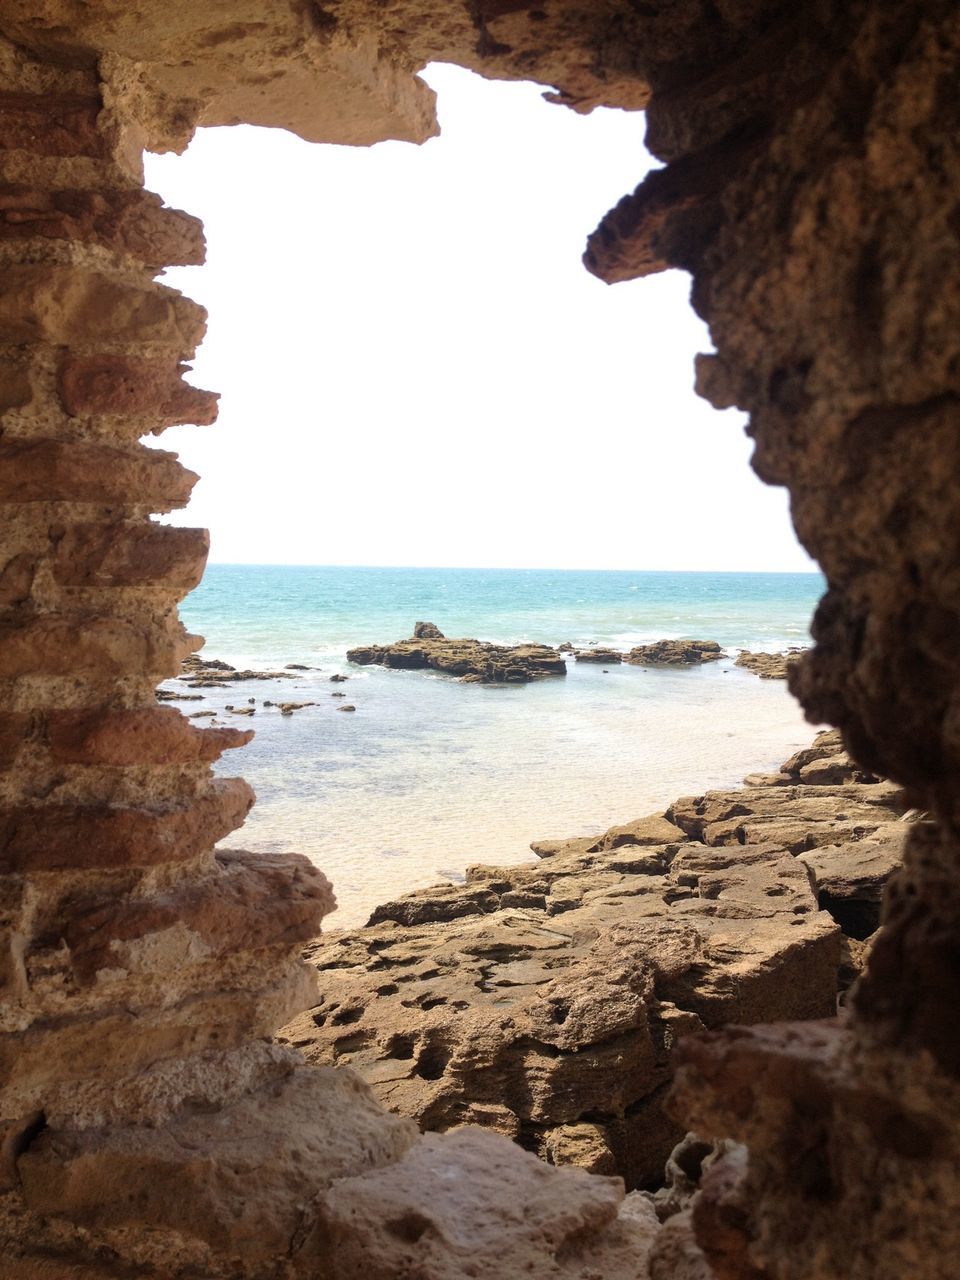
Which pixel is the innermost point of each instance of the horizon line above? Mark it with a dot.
(487, 568)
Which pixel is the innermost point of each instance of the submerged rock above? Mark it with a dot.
(474, 661)
(674, 653)
(544, 1001)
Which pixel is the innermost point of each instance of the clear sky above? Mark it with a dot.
(416, 369)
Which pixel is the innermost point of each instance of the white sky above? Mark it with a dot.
(416, 369)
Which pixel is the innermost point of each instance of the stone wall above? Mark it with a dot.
(148, 1126)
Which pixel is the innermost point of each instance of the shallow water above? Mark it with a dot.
(429, 775)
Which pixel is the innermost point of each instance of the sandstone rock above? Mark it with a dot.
(768, 666)
(611, 656)
(475, 661)
(850, 879)
(292, 1140)
(427, 631)
(674, 653)
(465, 1204)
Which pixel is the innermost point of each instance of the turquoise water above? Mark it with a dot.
(429, 775)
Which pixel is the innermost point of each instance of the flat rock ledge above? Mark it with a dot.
(544, 1001)
(768, 666)
(474, 661)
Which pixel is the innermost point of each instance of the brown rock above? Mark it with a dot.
(611, 656)
(427, 631)
(54, 837)
(62, 124)
(119, 554)
(475, 661)
(674, 653)
(128, 221)
(69, 305)
(768, 666)
(57, 471)
(114, 384)
(152, 736)
(269, 899)
(292, 1139)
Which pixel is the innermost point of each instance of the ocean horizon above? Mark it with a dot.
(429, 775)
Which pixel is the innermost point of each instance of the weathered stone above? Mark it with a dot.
(58, 471)
(768, 666)
(69, 305)
(292, 1139)
(114, 384)
(471, 1204)
(674, 653)
(609, 656)
(52, 125)
(51, 837)
(98, 647)
(851, 878)
(126, 554)
(270, 898)
(155, 735)
(129, 221)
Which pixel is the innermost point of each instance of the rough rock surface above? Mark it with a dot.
(474, 661)
(543, 1001)
(674, 653)
(768, 666)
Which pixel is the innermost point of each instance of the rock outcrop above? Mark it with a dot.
(474, 661)
(674, 653)
(768, 666)
(544, 1001)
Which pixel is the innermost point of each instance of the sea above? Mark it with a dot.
(429, 775)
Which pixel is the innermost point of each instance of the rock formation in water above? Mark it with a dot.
(769, 666)
(674, 653)
(474, 661)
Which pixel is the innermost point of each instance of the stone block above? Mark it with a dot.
(150, 735)
(128, 221)
(264, 900)
(61, 124)
(87, 648)
(133, 386)
(58, 837)
(75, 471)
(126, 554)
(72, 305)
(101, 1045)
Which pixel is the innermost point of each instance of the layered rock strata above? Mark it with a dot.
(474, 661)
(544, 1001)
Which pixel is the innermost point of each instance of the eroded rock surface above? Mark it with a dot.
(474, 661)
(544, 1001)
